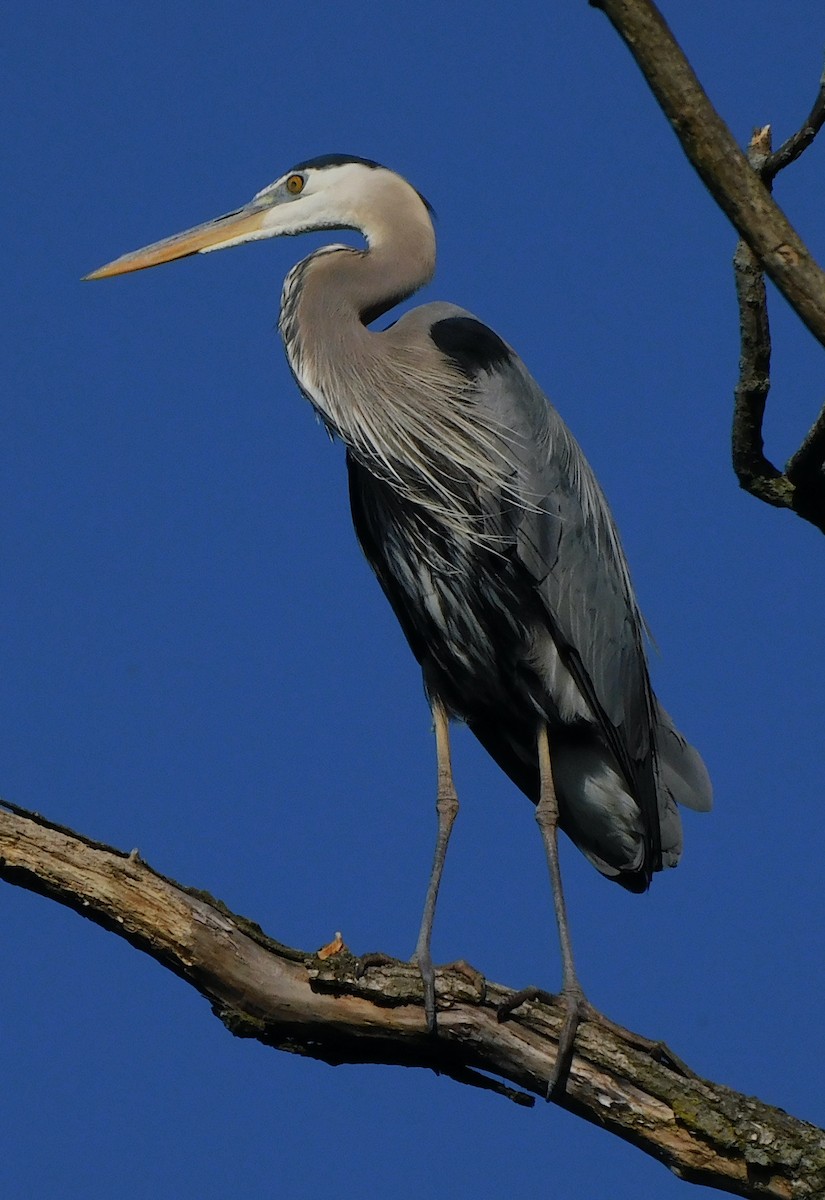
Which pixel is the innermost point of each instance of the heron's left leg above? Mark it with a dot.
(578, 1007)
(446, 808)
(547, 816)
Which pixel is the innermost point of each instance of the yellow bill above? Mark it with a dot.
(244, 225)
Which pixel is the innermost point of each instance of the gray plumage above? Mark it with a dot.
(486, 529)
(491, 539)
(536, 616)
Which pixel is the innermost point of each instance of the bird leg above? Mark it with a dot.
(578, 1007)
(547, 816)
(446, 808)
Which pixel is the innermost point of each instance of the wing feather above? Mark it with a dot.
(568, 546)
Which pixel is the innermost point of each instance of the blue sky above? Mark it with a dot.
(197, 662)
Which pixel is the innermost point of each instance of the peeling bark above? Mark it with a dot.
(319, 1007)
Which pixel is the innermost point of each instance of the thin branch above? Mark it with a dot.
(802, 485)
(755, 472)
(811, 454)
(716, 156)
(321, 1008)
(741, 187)
(798, 142)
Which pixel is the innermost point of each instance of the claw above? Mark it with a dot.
(426, 969)
(375, 958)
(578, 1009)
(473, 977)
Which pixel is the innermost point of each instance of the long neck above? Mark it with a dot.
(387, 395)
(340, 286)
(404, 411)
(331, 297)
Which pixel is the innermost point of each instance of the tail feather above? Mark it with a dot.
(596, 809)
(681, 770)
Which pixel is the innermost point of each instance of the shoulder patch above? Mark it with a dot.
(472, 346)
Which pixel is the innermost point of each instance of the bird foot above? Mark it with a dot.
(578, 1009)
(473, 977)
(424, 962)
(426, 970)
(460, 967)
(428, 973)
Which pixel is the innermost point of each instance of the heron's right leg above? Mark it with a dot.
(446, 808)
(547, 816)
(576, 1006)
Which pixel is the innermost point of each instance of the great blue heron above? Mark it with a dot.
(486, 528)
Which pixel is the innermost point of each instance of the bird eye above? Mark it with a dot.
(295, 184)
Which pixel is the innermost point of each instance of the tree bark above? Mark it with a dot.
(319, 1005)
(718, 159)
(741, 186)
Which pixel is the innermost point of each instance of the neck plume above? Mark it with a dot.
(383, 394)
(331, 297)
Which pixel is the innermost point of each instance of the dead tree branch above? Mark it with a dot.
(741, 186)
(718, 159)
(319, 1007)
(801, 486)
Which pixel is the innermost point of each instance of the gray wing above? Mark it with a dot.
(568, 543)
(568, 548)
(582, 575)
(556, 513)
(540, 502)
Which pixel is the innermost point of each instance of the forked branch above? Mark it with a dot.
(318, 1006)
(741, 187)
(801, 486)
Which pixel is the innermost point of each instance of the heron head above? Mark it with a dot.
(335, 191)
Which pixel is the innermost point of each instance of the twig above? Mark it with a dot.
(741, 187)
(811, 454)
(802, 485)
(298, 1002)
(798, 142)
(716, 156)
(756, 473)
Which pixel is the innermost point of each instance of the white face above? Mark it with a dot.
(330, 197)
(338, 196)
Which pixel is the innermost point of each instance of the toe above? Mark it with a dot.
(424, 963)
